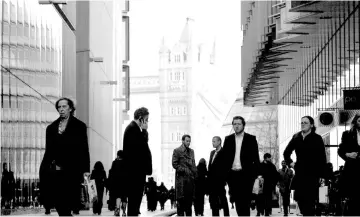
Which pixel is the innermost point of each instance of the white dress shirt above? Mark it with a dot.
(237, 163)
(216, 152)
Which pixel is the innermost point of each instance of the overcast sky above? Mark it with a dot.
(151, 20)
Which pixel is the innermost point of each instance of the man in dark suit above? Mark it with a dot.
(66, 159)
(216, 180)
(241, 160)
(137, 157)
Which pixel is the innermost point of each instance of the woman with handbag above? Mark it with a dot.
(349, 151)
(309, 167)
(99, 175)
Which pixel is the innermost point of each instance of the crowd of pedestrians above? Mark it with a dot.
(251, 183)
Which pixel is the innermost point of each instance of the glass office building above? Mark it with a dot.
(31, 49)
(304, 54)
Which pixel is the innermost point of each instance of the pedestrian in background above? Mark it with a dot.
(241, 154)
(172, 196)
(117, 184)
(216, 180)
(285, 177)
(310, 165)
(7, 186)
(163, 195)
(66, 157)
(183, 161)
(349, 151)
(271, 177)
(99, 175)
(200, 187)
(137, 157)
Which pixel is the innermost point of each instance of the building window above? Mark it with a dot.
(185, 110)
(184, 55)
(172, 111)
(183, 76)
(178, 136)
(177, 76)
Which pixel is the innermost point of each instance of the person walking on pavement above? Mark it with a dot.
(242, 161)
(163, 196)
(183, 161)
(99, 175)
(309, 167)
(217, 180)
(200, 188)
(271, 177)
(147, 191)
(285, 177)
(68, 167)
(117, 184)
(7, 183)
(137, 157)
(172, 196)
(349, 151)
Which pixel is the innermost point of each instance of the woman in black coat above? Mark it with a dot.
(117, 184)
(309, 167)
(349, 150)
(99, 175)
(200, 187)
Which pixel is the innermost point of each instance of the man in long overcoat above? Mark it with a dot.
(183, 161)
(66, 159)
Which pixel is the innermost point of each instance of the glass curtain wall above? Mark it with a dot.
(331, 65)
(30, 84)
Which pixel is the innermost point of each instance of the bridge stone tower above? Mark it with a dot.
(175, 80)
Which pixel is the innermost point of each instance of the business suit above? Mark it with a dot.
(138, 161)
(65, 161)
(241, 182)
(349, 143)
(183, 161)
(216, 184)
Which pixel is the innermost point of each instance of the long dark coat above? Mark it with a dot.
(350, 181)
(117, 179)
(100, 180)
(72, 154)
(137, 153)
(310, 164)
(183, 161)
(216, 179)
(270, 175)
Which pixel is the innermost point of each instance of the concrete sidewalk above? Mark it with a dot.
(275, 211)
(105, 211)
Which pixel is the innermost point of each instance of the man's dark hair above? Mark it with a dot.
(238, 118)
(218, 138)
(140, 113)
(120, 153)
(267, 155)
(69, 102)
(184, 136)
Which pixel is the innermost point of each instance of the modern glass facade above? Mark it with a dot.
(304, 55)
(31, 51)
